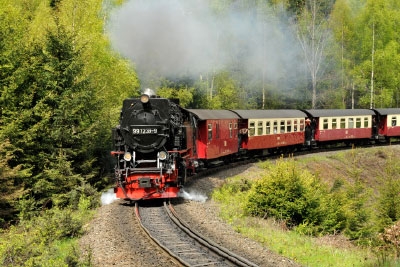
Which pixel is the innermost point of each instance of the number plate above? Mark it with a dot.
(138, 131)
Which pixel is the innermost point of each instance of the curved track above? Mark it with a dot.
(164, 226)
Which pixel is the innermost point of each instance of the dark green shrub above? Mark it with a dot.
(287, 194)
(388, 204)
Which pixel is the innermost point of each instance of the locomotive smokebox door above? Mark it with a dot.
(144, 183)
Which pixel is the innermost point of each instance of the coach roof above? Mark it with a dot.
(387, 111)
(268, 114)
(208, 114)
(338, 112)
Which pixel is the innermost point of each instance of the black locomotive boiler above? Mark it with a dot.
(150, 143)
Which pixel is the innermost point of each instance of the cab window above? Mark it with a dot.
(275, 127)
(268, 127)
(325, 124)
(252, 128)
(260, 128)
(366, 122)
(394, 121)
(334, 123)
(342, 123)
(358, 122)
(282, 129)
(351, 123)
(289, 126)
(209, 131)
(301, 125)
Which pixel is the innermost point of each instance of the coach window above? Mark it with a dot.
(394, 121)
(343, 123)
(301, 125)
(209, 131)
(295, 126)
(366, 122)
(230, 130)
(325, 124)
(252, 128)
(334, 123)
(267, 127)
(260, 128)
(289, 126)
(358, 122)
(282, 129)
(351, 123)
(275, 127)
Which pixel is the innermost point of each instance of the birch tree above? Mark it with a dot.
(312, 33)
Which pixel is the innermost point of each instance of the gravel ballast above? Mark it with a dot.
(114, 237)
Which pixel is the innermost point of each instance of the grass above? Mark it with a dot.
(308, 250)
(302, 249)
(305, 250)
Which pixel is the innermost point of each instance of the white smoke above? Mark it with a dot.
(190, 37)
(195, 196)
(108, 197)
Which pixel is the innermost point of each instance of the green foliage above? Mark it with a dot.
(287, 194)
(185, 94)
(357, 213)
(303, 202)
(238, 185)
(226, 93)
(46, 239)
(388, 204)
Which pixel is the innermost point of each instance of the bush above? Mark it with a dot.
(303, 202)
(288, 194)
(45, 240)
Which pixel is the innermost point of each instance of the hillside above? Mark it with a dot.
(369, 164)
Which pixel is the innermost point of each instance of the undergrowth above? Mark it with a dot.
(48, 238)
(290, 208)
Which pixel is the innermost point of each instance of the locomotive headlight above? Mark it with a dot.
(144, 98)
(127, 156)
(162, 155)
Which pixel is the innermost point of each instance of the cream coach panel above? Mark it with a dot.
(393, 120)
(348, 122)
(275, 126)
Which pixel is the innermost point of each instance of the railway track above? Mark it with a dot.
(164, 227)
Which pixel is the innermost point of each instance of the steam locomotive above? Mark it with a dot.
(157, 143)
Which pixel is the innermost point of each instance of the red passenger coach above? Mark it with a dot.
(388, 120)
(217, 133)
(270, 130)
(349, 125)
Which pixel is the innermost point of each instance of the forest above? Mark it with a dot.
(66, 66)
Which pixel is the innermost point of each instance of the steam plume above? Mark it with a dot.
(172, 38)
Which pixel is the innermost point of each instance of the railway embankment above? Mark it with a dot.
(112, 238)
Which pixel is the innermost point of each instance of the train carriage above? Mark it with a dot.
(217, 133)
(349, 125)
(388, 120)
(270, 130)
(158, 143)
